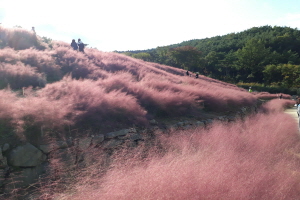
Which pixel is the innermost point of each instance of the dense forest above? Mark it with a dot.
(265, 55)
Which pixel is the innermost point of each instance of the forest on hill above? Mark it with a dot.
(266, 56)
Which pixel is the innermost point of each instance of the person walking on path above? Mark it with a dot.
(74, 45)
(298, 110)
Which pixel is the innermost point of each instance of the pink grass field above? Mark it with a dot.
(104, 86)
(257, 158)
(50, 86)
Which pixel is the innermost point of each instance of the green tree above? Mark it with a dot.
(143, 56)
(252, 58)
(187, 57)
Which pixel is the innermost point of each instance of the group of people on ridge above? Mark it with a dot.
(78, 46)
(188, 74)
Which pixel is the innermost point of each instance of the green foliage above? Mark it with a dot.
(142, 56)
(245, 56)
(273, 89)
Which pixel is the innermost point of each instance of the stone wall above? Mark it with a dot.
(24, 165)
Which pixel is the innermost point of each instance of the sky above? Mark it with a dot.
(121, 25)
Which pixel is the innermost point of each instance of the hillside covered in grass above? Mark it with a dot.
(47, 85)
(48, 89)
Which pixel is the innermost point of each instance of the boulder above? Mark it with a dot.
(47, 148)
(26, 156)
(84, 143)
(199, 123)
(98, 139)
(5, 147)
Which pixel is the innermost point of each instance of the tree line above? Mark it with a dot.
(265, 55)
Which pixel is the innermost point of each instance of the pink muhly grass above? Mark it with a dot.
(43, 61)
(20, 75)
(277, 105)
(7, 104)
(18, 39)
(9, 55)
(252, 159)
(94, 104)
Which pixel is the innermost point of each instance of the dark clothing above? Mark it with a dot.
(187, 73)
(197, 75)
(74, 45)
(81, 47)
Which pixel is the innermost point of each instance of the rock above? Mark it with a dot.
(84, 143)
(199, 123)
(153, 122)
(208, 121)
(3, 162)
(186, 127)
(5, 147)
(98, 139)
(180, 124)
(111, 144)
(117, 133)
(135, 137)
(26, 156)
(2, 172)
(47, 148)
(62, 144)
(65, 158)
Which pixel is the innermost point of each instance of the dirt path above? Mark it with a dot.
(292, 112)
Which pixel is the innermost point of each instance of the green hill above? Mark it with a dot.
(266, 55)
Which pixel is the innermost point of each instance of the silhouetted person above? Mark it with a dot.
(280, 97)
(197, 75)
(187, 73)
(74, 45)
(80, 45)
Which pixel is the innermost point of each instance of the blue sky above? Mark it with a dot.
(136, 25)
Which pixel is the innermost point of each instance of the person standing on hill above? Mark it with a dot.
(250, 89)
(74, 45)
(80, 45)
(187, 73)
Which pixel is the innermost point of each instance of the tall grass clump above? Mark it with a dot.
(277, 105)
(43, 62)
(257, 158)
(19, 75)
(93, 107)
(19, 39)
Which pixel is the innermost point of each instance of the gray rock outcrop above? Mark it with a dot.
(26, 156)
